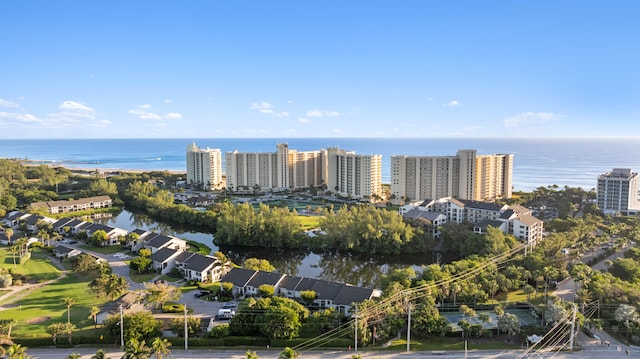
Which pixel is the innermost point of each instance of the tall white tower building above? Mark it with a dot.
(464, 176)
(204, 167)
(617, 192)
(357, 176)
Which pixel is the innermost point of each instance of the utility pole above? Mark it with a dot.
(121, 327)
(186, 330)
(573, 326)
(409, 326)
(355, 346)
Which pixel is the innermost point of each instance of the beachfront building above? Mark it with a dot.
(73, 205)
(464, 176)
(353, 175)
(284, 169)
(617, 192)
(204, 167)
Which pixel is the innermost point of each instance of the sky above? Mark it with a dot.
(325, 68)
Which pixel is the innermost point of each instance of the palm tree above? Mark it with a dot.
(93, 314)
(8, 323)
(160, 347)
(9, 233)
(14, 251)
(100, 354)
(68, 301)
(17, 351)
(288, 353)
(528, 290)
(74, 356)
(136, 350)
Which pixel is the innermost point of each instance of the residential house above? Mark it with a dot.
(81, 204)
(261, 278)
(61, 251)
(164, 259)
(200, 268)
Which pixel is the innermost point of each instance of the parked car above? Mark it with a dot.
(228, 305)
(202, 293)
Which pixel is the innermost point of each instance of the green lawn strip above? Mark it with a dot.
(188, 288)
(103, 250)
(45, 305)
(36, 269)
(447, 343)
(141, 277)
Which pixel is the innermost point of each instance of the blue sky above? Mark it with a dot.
(285, 69)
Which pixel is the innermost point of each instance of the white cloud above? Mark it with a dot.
(101, 123)
(167, 101)
(150, 116)
(267, 108)
(7, 103)
(530, 118)
(21, 117)
(75, 106)
(136, 111)
(323, 113)
(453, 103)
(304, 120)
(173, 116)
(263, 107)
(337, 131)
(146, 106)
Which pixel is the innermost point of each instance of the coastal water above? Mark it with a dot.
(574, 162)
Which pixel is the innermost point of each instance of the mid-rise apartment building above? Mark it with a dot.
(464, 176)
(516, 220)
(353, 175)
(204, 167)
(617, 192)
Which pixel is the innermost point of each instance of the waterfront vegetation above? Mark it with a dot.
(577, 233)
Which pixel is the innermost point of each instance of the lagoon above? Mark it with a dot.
(336, 266)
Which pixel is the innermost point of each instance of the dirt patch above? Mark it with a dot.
(37, 320)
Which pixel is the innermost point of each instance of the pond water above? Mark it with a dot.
(363, 270)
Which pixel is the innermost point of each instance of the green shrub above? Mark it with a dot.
(172, 307)
(220, 331)
(337, 343)
(245, 341)
(34, 342)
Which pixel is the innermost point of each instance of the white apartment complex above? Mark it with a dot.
(204, 167)
(465, 176)
(352, 175)
(283, 169)
(617, 192)
(516, 220)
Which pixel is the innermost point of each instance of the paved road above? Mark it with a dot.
(611, 352)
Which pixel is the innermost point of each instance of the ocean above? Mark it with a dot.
(538, 162)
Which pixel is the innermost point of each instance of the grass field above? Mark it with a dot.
(103, 250)
(36, 269)
(44, 305)
(446, 343)
(309, 222)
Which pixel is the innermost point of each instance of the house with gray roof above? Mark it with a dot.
(61, 251)
(328, 294)
(261, 278)
(200, 268)
(164, 260)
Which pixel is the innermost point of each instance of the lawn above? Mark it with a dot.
(103, 250)
(45, 305)
(448, 343)
(36, 269)
(141, 277)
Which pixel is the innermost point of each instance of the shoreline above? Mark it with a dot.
(100, 170)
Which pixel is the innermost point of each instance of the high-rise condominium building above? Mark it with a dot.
(465, 176)
(283, 169)
(617, 192)
(352, 175)
(204, 167)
